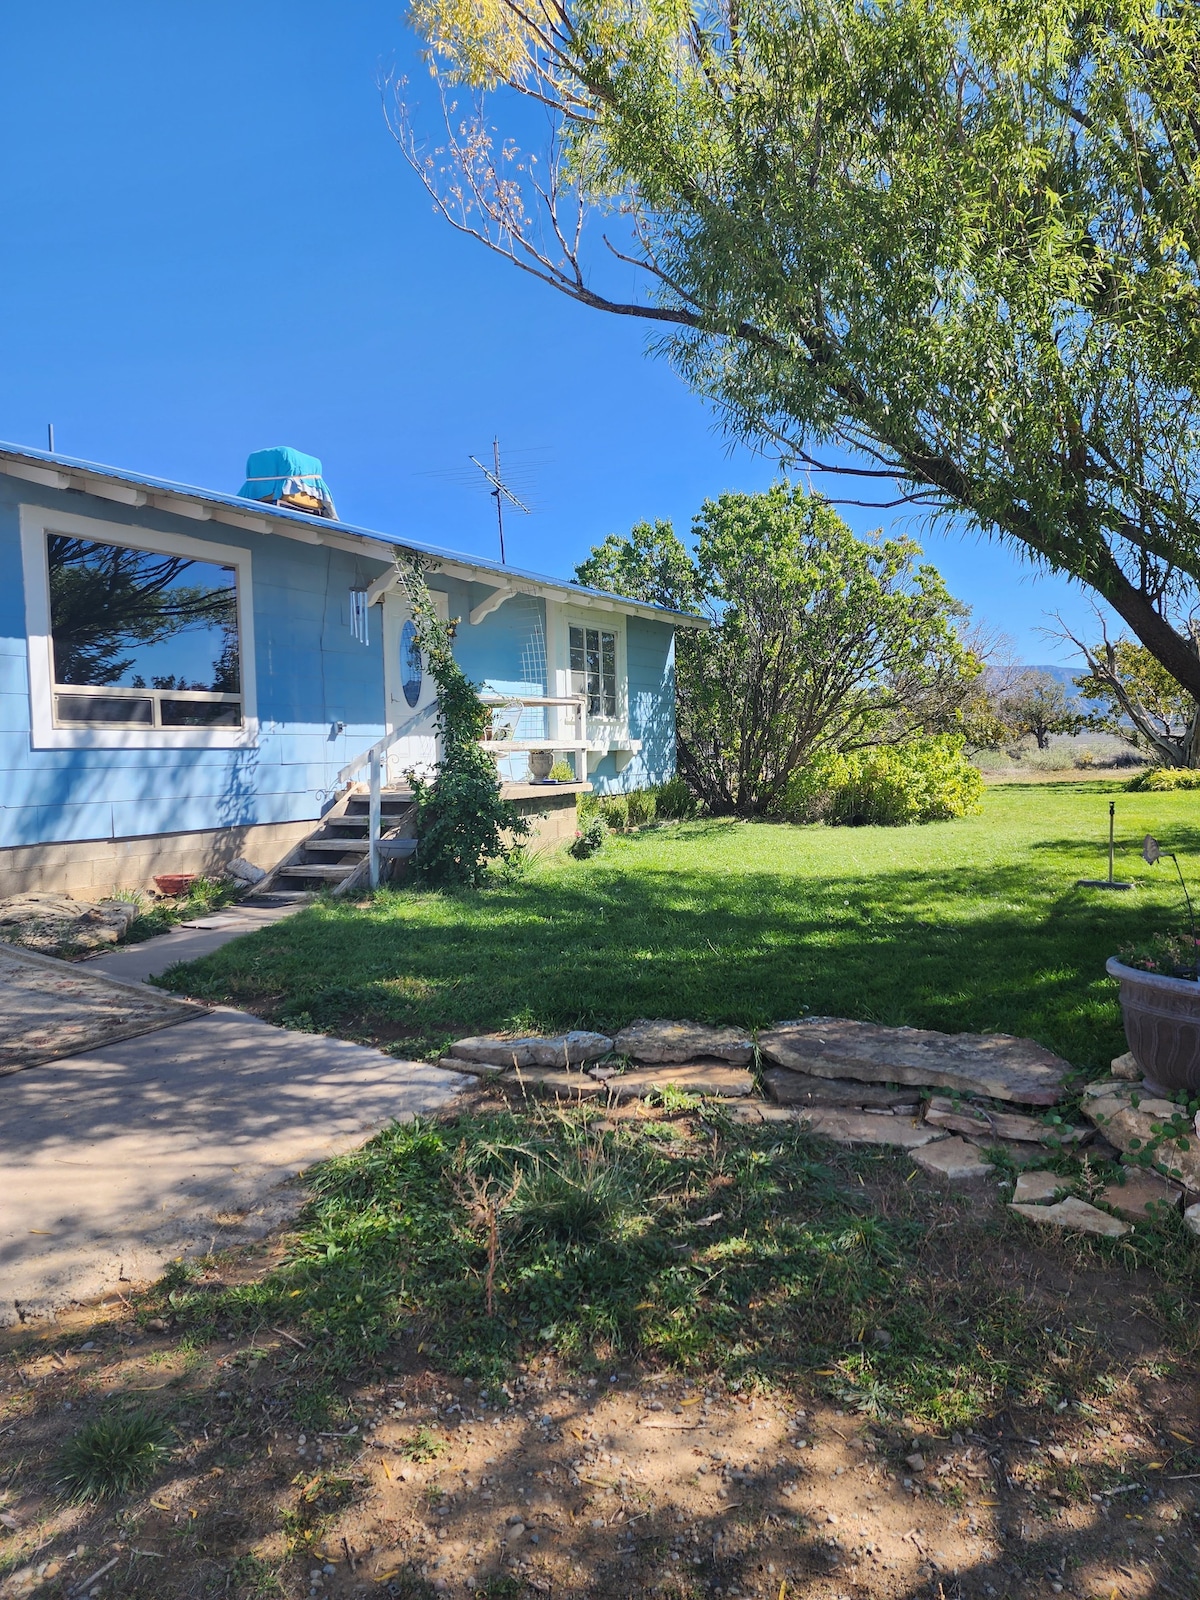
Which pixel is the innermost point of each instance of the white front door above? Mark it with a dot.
(409, 691)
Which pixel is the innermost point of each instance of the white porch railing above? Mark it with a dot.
(575, 741)
(374, 759)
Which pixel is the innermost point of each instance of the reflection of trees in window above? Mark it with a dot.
(594, 669)
(108, 603)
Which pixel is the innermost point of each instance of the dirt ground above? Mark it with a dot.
(628, 1482)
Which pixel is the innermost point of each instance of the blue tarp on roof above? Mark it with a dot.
(288, 477)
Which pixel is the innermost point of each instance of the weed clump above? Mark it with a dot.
(113, 1455)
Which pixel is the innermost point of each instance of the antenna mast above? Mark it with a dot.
(499, 493)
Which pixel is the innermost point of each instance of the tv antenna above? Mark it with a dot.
(500, 492)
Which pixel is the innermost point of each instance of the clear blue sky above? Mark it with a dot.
(211, 244)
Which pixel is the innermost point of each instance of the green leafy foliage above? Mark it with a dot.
(560, 772)
(926, 780)
(589, 840)
(614, 808)
(112, 1455)
(1174, 955)
(462, 823)
(641, 807)
(674, 801)
(957, 237)
(819, 642)
(1162, 780)
(1128, 686)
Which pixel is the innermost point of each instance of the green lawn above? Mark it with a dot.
(962, 925)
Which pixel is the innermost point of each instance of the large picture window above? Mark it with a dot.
(594, 669)
(141, 639)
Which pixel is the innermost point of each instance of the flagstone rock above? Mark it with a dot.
(966, 1118)
(716, 1079)
(954, 1159)
(801, 1089)
(1075, 1215)
(1141, 1195)
(1126, 1067)
(560, 1050)
(57, 925)
(1038, 1188)
(1152, 1124)
(860, 1127)
(1191, 1219)
(996, 1065)
(684, 1041)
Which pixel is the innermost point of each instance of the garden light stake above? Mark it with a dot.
(1110, 882)
(1152, 851)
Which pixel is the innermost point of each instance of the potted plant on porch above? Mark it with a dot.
(1160, 998)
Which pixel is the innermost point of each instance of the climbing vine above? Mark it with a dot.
(462, 822)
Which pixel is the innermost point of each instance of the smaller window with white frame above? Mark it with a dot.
(594, 668)
(142, 639)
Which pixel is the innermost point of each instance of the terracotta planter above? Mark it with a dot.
(1162, 1026)
(174, 882)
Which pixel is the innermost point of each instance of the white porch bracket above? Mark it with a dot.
(385, 582)
(492, 602)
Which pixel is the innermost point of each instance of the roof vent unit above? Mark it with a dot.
(286, 477)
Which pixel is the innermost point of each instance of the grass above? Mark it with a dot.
(758, 1253)
(973, 925)
(113, 1454)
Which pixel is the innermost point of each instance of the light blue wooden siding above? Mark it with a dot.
(311, 672)
(650, 649)
(506, 654)
(311, 675)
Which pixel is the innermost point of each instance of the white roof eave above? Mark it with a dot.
(48, 471)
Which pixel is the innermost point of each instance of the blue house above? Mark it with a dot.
(187, 677)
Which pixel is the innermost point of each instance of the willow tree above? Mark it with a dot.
(957, 239)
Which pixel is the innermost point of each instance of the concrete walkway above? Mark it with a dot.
(115, 1162)
(188, 941)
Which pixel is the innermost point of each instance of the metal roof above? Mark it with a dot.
(51, 470)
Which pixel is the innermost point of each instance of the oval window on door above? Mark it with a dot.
(411, 671)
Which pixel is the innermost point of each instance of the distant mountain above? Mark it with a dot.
(1064, 675)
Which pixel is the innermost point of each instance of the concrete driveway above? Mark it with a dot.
(114, 1162)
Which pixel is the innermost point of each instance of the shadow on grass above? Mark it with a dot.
(965, 948)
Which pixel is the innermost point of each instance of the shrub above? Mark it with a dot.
(590, 838)
(1160, 779)
(614, 808)
(674, 801)
(926, 780)
(641, 807)
(561, 772)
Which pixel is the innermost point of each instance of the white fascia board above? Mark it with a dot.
(202, 506)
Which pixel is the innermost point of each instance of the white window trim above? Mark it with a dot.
(36, 523)
(601, 731)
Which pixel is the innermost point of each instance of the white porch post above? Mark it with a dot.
(373, 821)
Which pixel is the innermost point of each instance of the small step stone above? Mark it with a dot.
(1141, 1195)
(533, 1050)
(1075, 1215)
(953, 1159)
(1126, 1067)
(975, 1119)
(860, 1127)
(708, 1079)
(801, 1089)
(662, 1041)
(1038, 1188)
